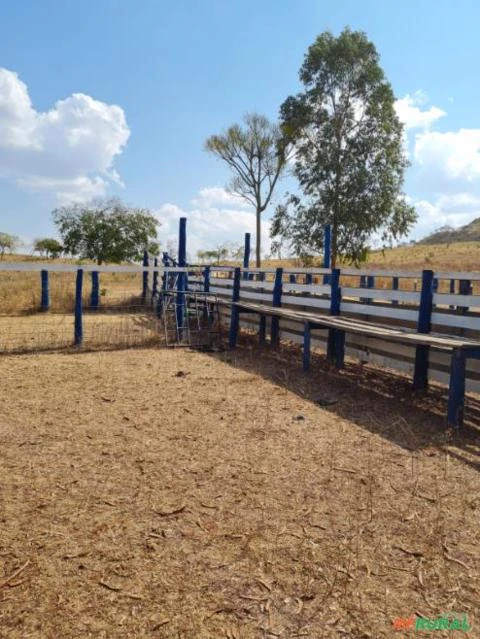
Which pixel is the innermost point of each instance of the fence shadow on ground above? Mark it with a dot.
(375, 399)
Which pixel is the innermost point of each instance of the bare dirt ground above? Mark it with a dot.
(175, 494)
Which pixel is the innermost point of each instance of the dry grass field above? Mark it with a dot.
(460, 256)
(176, 494)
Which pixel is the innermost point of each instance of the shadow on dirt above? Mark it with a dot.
(375, 399)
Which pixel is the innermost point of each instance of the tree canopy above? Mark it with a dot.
(256, 154)
(349, 155)
(106, 230)
(8, 243)
(48, 246)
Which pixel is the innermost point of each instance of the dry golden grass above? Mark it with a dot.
(461, 256)
(172, 494)
(20, 292)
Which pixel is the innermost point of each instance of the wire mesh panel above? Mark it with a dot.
(37, 310)
(26, 325)
(123, 317)
(191, 319)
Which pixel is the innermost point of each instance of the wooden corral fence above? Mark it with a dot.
(427, 303)
(456, 312)
(431, 304)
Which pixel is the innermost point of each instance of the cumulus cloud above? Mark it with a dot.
(217, 195)
(409, 111)
(214, 218)
(452, 210)
(68, 150)
(445, 166)
(453, 156)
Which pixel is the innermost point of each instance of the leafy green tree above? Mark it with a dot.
(48, 246)
(8, 243)
(105, 230)
(349, 156)
(257, 155)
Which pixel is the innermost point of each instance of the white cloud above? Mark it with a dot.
(214, 219)
(462, 203)
(452, 210)
(68, 150)
(445, 166)
(217, 195)
(409, 111)
(452, 156)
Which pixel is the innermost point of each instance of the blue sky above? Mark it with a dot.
(118, 97)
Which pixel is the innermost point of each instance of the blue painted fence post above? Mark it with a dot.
(78, 324)
(182, 281)
(370, 284)
(235, 316)
(155, 279)
(306, 346)
(95, 294)
(452, 291)
(327, 251)
(464, 288)
(145, 277)
(45, 297)
(363, 284)
(276, 303)
(206, 289)
(335, 338)
(395, 288)
(206, 279)
(165, 276)
(246, 255)
(456, 391)
(420, 378)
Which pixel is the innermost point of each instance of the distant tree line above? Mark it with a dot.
(219, 254)
(103, 230)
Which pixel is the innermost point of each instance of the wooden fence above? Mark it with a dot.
(451, 306)
(452, 300)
